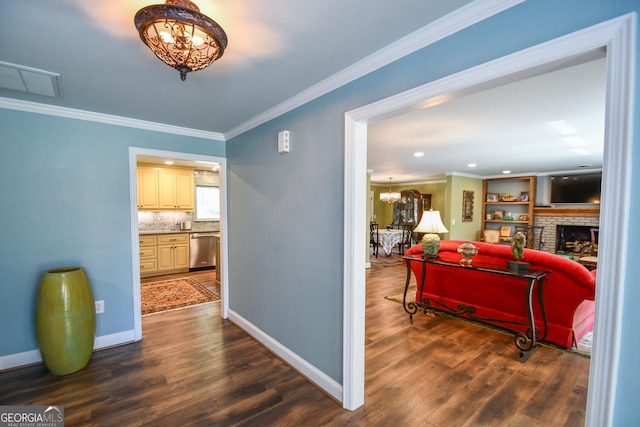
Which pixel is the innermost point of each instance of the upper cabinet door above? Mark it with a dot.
(184, 190)
(147, 188)
(166, 189)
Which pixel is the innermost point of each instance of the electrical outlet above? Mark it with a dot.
(100, 306)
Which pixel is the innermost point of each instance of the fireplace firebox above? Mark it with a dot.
(573, 239)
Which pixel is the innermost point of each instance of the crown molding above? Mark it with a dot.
(71, 113)
(457, 20)
(464, 175)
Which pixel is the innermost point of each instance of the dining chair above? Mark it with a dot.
(374, 237)
(407, 230)
(533, 233)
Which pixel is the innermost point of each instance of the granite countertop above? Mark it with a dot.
(144, 232)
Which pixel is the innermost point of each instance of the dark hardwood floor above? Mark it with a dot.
(193, 368)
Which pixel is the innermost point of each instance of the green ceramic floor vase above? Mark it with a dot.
(65, 320)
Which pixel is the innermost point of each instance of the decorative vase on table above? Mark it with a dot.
(65, 320)
(467, 250)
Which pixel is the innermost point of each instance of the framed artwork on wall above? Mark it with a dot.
(467, 205)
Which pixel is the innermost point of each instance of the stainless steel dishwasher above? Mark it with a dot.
(202, 251)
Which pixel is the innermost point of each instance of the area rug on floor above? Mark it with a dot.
(583, 347)
(383, 260)
(411, 295)
(172, 294)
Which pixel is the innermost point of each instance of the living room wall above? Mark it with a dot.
(458, 229)
(303, 230)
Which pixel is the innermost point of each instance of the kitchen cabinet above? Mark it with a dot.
(164, 253)
(148, 255)
(175, 189)
(147, 188)
(173, 252)
(165, 189)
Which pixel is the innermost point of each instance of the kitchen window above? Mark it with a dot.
(207, 203)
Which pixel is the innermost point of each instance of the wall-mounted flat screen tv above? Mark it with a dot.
(583, 188)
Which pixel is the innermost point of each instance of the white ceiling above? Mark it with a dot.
(280, 48)
(277, 48)
(551, 122)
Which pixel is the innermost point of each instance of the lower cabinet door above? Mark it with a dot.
(165, 258)
(181, 256)
(173, 257)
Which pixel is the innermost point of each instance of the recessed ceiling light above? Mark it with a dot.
(168, 162)
(418, 154)
(472, 165)
(506, 172)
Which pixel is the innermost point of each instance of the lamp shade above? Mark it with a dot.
(431, 223)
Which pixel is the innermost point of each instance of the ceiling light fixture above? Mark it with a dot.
(390, 196)
(418, 154)
(181, 36)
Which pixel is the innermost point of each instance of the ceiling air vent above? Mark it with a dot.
(30, 80)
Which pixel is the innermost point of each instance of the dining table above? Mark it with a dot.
(388, 238)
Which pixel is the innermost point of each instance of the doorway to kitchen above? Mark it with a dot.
(134, 154)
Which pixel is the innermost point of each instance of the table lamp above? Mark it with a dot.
(431, 224)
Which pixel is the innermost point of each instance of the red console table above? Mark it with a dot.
(523, 341)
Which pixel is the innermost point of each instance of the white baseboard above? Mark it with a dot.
(111, 340)
(309, 371)
(33, 356)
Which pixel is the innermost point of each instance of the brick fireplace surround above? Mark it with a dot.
(549, 218)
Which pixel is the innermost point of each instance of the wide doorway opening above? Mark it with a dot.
(615, 202)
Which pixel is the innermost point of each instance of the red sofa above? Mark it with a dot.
(568, 291)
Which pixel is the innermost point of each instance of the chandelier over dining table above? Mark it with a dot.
(390, 196)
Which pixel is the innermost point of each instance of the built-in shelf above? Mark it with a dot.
(522, 189)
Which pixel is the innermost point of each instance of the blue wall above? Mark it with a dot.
(286, 271)
(64, 185)
(65, 194)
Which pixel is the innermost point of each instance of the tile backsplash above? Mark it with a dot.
(162, 221)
